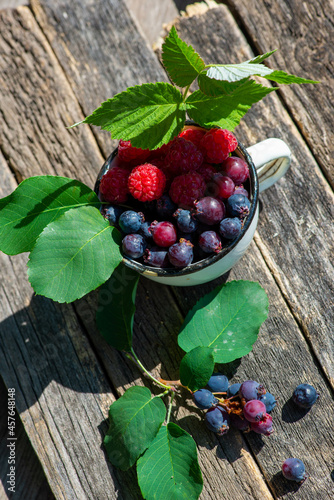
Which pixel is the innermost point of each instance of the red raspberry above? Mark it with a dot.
(128, 153)
(146, 182)
(216, 145)
(193, 135)
(186, 189)
(183, 156)
(206, 170)
(114, 185)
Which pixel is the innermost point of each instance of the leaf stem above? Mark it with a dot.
(170, 407)
(186, 92)
(162, 394)
(133, 357)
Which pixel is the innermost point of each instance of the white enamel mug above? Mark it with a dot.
(268, 161)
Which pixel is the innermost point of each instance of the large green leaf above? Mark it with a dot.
(212, 87)
(225, 111)
(227, 320)
(36, 202)
(135, 419)
(116, 307)
(149, 115)
(235, 72)
(181, 61)
(73, 255)
(196, 367)
(169, 469)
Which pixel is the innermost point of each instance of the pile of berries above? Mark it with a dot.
(180, 203)
(246, 406)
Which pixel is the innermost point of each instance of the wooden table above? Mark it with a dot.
(58, 61)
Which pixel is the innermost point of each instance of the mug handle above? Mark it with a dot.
(271, 158)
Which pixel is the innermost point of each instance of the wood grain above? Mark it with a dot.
(303, 32)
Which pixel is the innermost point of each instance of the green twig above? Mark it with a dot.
(134, 358)
(170, 406)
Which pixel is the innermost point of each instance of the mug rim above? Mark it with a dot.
(211, 259)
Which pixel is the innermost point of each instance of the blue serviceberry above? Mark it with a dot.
(269, 400)
(251, 390)
(233, 390)
(204, 399)
(294, 470)
(238, 205)
(217, 420)
(133, 245)
(230, 228)
(218, 383)
(185, 221)
(305, 395)
(130, 221)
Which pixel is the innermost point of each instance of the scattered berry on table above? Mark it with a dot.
(254, 410)
(165, 206)
(221, 185)
(111, 213)
(186, 189)
(217, 420)
(294, 470)
(209, 210)
(230, 228)
(233, 390)
(305, 395)
(217, 144)
(204, 399)
(251, 390)
(218, 382)
(183, 156)
(236, 168)
(264, 426)
(130, 221)
(269, 400)
(114, 185)
(163, 233)
(181, 254)
(209, 242)
(156, 257)
(133, 245)
(185, 221)
(146, 182)
(193, 135)
(238, 205)
(128, 153)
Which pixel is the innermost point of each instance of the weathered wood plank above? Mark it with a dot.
(30, 481)
(297, 213)
(303, 32)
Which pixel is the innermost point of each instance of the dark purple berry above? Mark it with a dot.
(230, 228)
(239, 423)
(156, 257)
(305, 395)
(130, 221)
(133, 245)
(218, 383)
(264, 426)
(181, 254)
(238, 206)
(209, 242)
(254, 410)
(209, 210)
(241, 190)
(164, 233)
(217, 420)
(221, 185)
(185, 221)
(251, 390)
(269, 400)
(236, 168)
(204, 399)
(165, 207)
(233, 390)
(112, 213)
(294, 470)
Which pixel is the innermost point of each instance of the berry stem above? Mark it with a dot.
(176, 383)
(170, 407)
(134, 358)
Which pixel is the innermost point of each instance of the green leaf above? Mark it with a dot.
(227, 320)
(135, 419)
(235, 72)
(225, 111)
(282, 77)
(261, 57)
(212, 87)
(181, 61)
(73, 255)
(116, 307)
(196, 367)
(36, 202)
(148, 115)
(169, 469)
